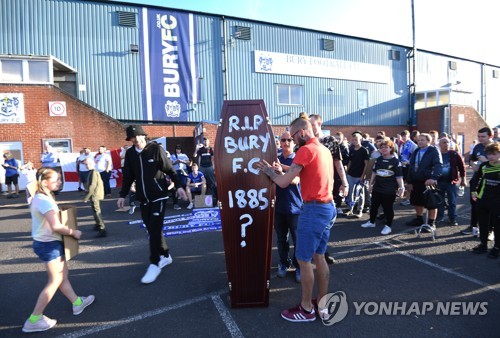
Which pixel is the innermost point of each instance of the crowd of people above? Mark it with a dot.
(318, 177)
(369, 174)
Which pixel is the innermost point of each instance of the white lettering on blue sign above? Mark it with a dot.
(169, 57)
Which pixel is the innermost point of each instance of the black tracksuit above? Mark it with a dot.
(149, 169)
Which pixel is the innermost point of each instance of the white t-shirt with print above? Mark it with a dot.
(81, 164)
(101, 162)
(40, 227)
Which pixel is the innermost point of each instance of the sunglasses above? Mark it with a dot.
(295, 134)
(286, 139)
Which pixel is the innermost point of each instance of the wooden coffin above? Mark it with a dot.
(246, 199)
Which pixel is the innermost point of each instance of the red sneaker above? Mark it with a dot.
(298, 314)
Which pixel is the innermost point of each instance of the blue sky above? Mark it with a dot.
(459, 28)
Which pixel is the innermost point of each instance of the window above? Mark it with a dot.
(362, 98)
(25, 70)
(12, 71)
(38, 71)
(16, 149)
(61, 145)
(291, 95)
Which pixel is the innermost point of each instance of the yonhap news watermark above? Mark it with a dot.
(334, 307)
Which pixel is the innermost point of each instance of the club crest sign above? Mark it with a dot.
(11, 108)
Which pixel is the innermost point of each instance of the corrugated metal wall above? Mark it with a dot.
(435, 71)
(210, 69)
(491, 94)
(464, 78)
(388, 103)
(87, 37)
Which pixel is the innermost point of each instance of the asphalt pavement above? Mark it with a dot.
(190, 297)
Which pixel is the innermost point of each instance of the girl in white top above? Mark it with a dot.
(47, 232)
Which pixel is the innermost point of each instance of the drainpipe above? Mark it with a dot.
(224, 60)
(484, 112)
(413, 84)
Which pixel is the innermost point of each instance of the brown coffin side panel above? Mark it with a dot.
(246, 199)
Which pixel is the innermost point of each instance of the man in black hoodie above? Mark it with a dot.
(148, 164)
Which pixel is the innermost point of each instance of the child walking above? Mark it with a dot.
(47, 232)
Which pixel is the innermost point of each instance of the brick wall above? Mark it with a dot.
(464, 120)
(85, 126)
(472, 122)
(429, 119)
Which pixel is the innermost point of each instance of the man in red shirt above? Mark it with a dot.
(313, 163)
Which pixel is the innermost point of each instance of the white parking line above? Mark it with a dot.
(437, 266)
(226, 317)
(144, 315)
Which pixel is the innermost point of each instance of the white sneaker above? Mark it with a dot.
(323, 313)
(405, 203)
(368, 225)
(43, 324)
(340, 211)
(164, 261)
(132, 210)
(177, 207)
(151, 274)
(359, 214)
(491, 236)
(386, 230)
(191, 205)
(86, 301)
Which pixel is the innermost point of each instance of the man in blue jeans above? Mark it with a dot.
(313, 163)
(287, 210)
(453, 166)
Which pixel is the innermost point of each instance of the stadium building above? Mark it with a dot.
(75, 73)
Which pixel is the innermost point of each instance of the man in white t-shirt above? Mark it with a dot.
(83, 172)
(104, 165)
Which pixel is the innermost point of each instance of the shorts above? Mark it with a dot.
(313, 230)
(405, 173)
(83, 176)
(11, 179)
(48, 251)
(417, 194)
(195, 191)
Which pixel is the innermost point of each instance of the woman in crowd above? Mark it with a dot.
(385, 184)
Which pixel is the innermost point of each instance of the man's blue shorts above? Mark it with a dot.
(196, 191)
(83, 176)
(48, 251)
(313, 230)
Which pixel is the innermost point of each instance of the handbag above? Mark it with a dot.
(432, 197)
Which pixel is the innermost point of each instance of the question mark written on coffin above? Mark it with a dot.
(244, 226)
